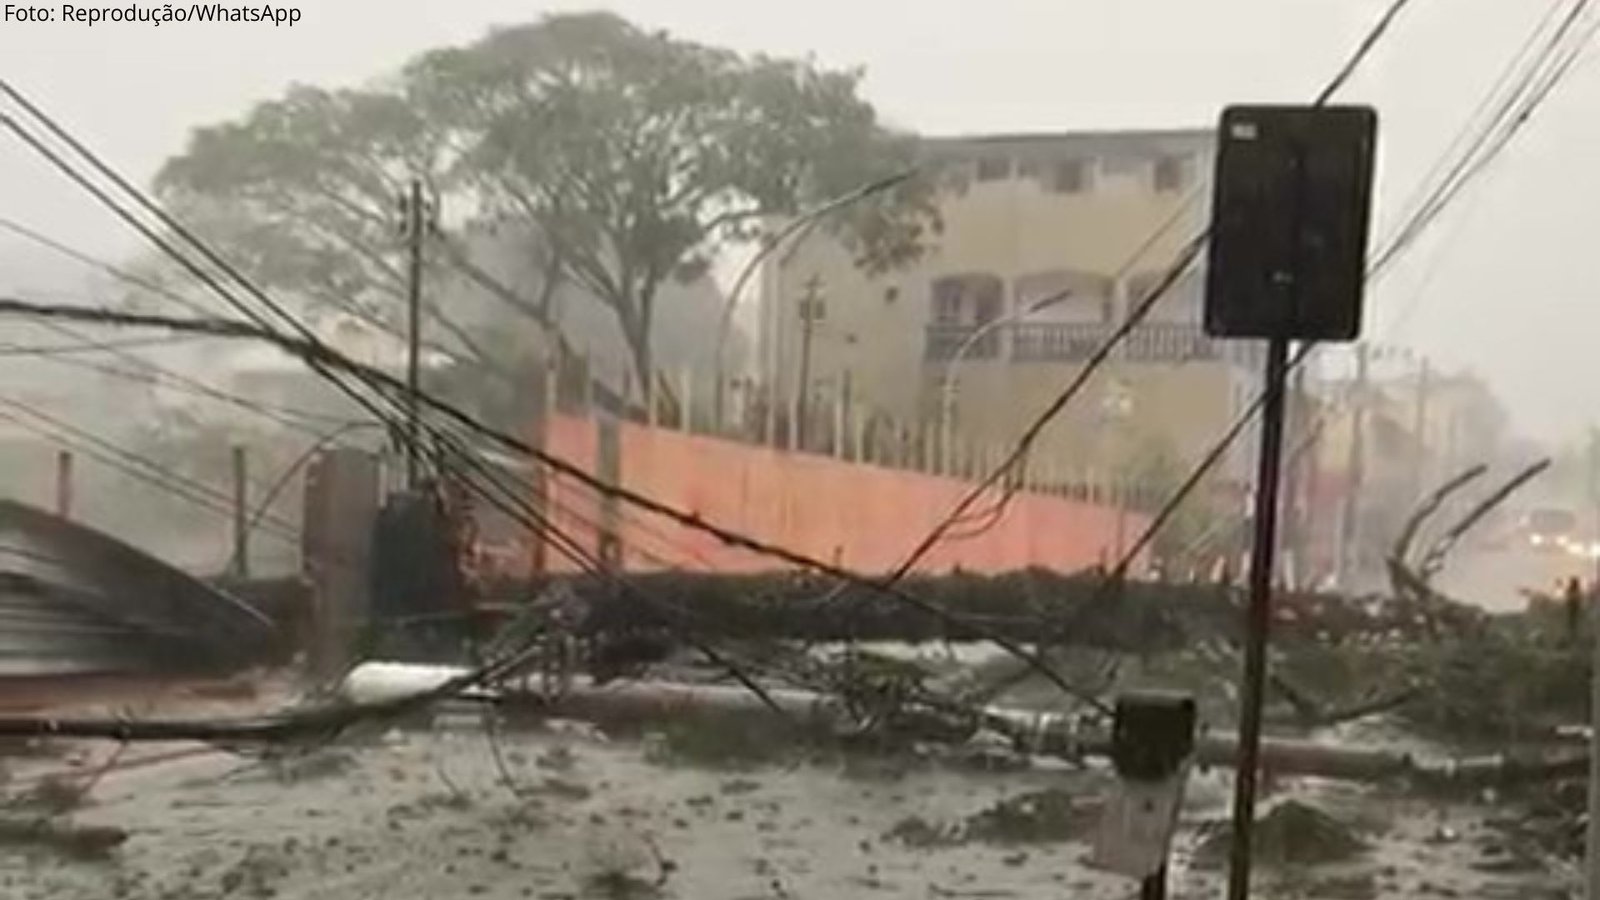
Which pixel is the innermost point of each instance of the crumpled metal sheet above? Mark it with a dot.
(74, 600)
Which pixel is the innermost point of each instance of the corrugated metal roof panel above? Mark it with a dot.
(76, 601)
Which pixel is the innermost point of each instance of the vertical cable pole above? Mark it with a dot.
(810, 316)
(411, 206)
(241, 513)
(1592, 835)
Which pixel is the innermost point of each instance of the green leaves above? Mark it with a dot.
(628, 154)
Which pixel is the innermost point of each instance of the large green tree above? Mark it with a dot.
(302, 194)
(617, 157)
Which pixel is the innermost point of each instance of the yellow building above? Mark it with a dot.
(1048, 240)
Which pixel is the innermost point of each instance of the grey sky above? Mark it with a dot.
(1508, 288)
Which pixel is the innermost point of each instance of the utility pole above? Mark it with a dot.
(1350, 517)
(812, 312)
(418, 218)
(1592, 835)
(241, 514)
(841, 416)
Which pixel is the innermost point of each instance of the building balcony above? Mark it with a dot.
(1074, 342)
(945, 341)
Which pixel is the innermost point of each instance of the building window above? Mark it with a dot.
(986, 305)
(1171, 174)
(972, 299)
(994, 168)
(1064, 296)
(947, 301)
(1071, 176)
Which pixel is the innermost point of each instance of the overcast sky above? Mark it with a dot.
(1505, 283)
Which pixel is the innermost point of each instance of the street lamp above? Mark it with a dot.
(794, 232)
(947, 402)
(812, 312)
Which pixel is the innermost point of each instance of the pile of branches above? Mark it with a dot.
(1032, 606)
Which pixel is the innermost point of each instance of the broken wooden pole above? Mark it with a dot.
(342, 499)
(1037, 732)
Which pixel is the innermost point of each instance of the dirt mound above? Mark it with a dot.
(1290, 834)
(1037, 817)
(85, 842)
(1045, 816)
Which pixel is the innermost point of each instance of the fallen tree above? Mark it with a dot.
(1025, 606)
(382, 691)
(1034, 732)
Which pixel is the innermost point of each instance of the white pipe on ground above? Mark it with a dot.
(1048, 733)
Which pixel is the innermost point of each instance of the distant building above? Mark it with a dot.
(1092, 220)
(1417, 432)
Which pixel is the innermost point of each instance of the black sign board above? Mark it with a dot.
(1152, 734)
(1290, 210)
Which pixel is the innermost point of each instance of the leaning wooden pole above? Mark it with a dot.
(1037, 732)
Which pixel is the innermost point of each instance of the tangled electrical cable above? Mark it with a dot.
(1406, 237)
(331, 365)
(325, 361)
(388, 389)
(1535, 90)
(134, 465)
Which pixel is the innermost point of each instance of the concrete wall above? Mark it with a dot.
(862, 517)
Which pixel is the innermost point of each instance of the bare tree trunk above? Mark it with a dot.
(637, 335)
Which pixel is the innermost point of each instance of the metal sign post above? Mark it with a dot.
(1287, 263)
(1152, 745)
(1259, 616)
(418, 215)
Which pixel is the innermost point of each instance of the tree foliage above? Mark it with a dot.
(302, 193)
(621, 158)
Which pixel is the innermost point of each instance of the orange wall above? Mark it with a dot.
(863, 517)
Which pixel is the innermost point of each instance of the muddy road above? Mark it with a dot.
(565, 813)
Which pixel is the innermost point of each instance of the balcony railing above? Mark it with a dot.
(1068, 342)
(945, 341)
